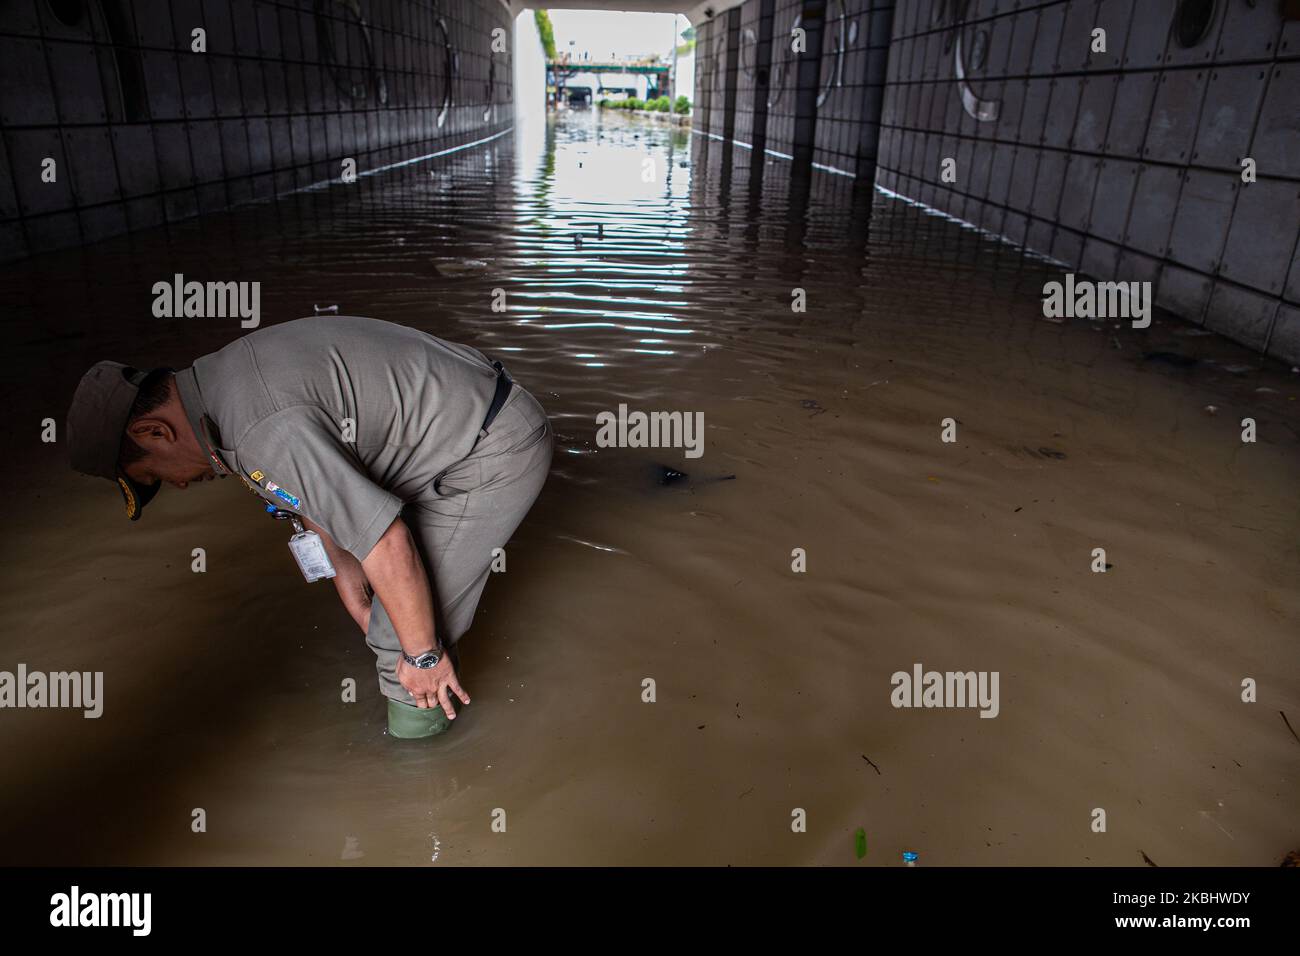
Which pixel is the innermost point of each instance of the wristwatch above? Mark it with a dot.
(424, 661)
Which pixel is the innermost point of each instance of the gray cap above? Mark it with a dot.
(96, 421)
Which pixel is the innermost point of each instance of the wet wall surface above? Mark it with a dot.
(1119, 689)
(1134, 141)
(1160, 149)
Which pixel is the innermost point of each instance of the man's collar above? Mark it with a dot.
(205, 430)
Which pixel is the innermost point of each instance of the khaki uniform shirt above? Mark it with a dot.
(339, 418)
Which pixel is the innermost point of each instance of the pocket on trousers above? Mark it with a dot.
(459, 479)
(531, 439)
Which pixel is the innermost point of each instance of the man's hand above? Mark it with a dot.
(396, 573)
(432, 686)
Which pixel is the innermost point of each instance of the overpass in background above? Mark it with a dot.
(562, 70)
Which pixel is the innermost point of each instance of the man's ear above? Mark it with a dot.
(152, 434)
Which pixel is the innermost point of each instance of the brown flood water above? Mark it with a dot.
(1119, 690)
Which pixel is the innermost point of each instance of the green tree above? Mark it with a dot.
(546, 32)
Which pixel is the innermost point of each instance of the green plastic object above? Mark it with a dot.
(860, 843)
(409, 721)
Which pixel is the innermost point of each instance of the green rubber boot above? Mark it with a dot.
(407, 720)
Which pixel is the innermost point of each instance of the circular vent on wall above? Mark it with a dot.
(1192, 21)
(67, 12)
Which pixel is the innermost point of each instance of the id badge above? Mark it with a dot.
(309, 551)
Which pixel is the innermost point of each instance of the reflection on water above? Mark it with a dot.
(639, 265)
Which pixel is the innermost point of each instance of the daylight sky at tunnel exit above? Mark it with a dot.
(601, 32)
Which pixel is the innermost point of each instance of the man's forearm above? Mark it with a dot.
(349, 578)
(396, 573)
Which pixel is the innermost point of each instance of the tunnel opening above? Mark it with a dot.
(639, 61)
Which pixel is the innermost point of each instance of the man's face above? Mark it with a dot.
(174, 469)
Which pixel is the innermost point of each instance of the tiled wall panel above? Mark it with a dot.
(1124, 163)
(143, 129)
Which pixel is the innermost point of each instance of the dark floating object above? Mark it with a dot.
(671, 476)
(1149, 861)
(1288, 725)
(812, 403)
(1170, 358)
(1044, 452)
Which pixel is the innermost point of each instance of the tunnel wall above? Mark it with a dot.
(783, 96)
(710, 76)
(816, 107)
(751, 98)
(1121, 165)
(855, 50)
(144, 130)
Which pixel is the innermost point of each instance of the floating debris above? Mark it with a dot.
(329, 308)
(667, 475)
(1288, 726)
(1170, 358)
(910, 857)
(860, 843)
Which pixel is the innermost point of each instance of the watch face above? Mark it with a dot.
(426, 660)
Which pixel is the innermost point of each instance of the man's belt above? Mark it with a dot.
(504, 385)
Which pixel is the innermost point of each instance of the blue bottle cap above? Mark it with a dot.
(909, 856)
